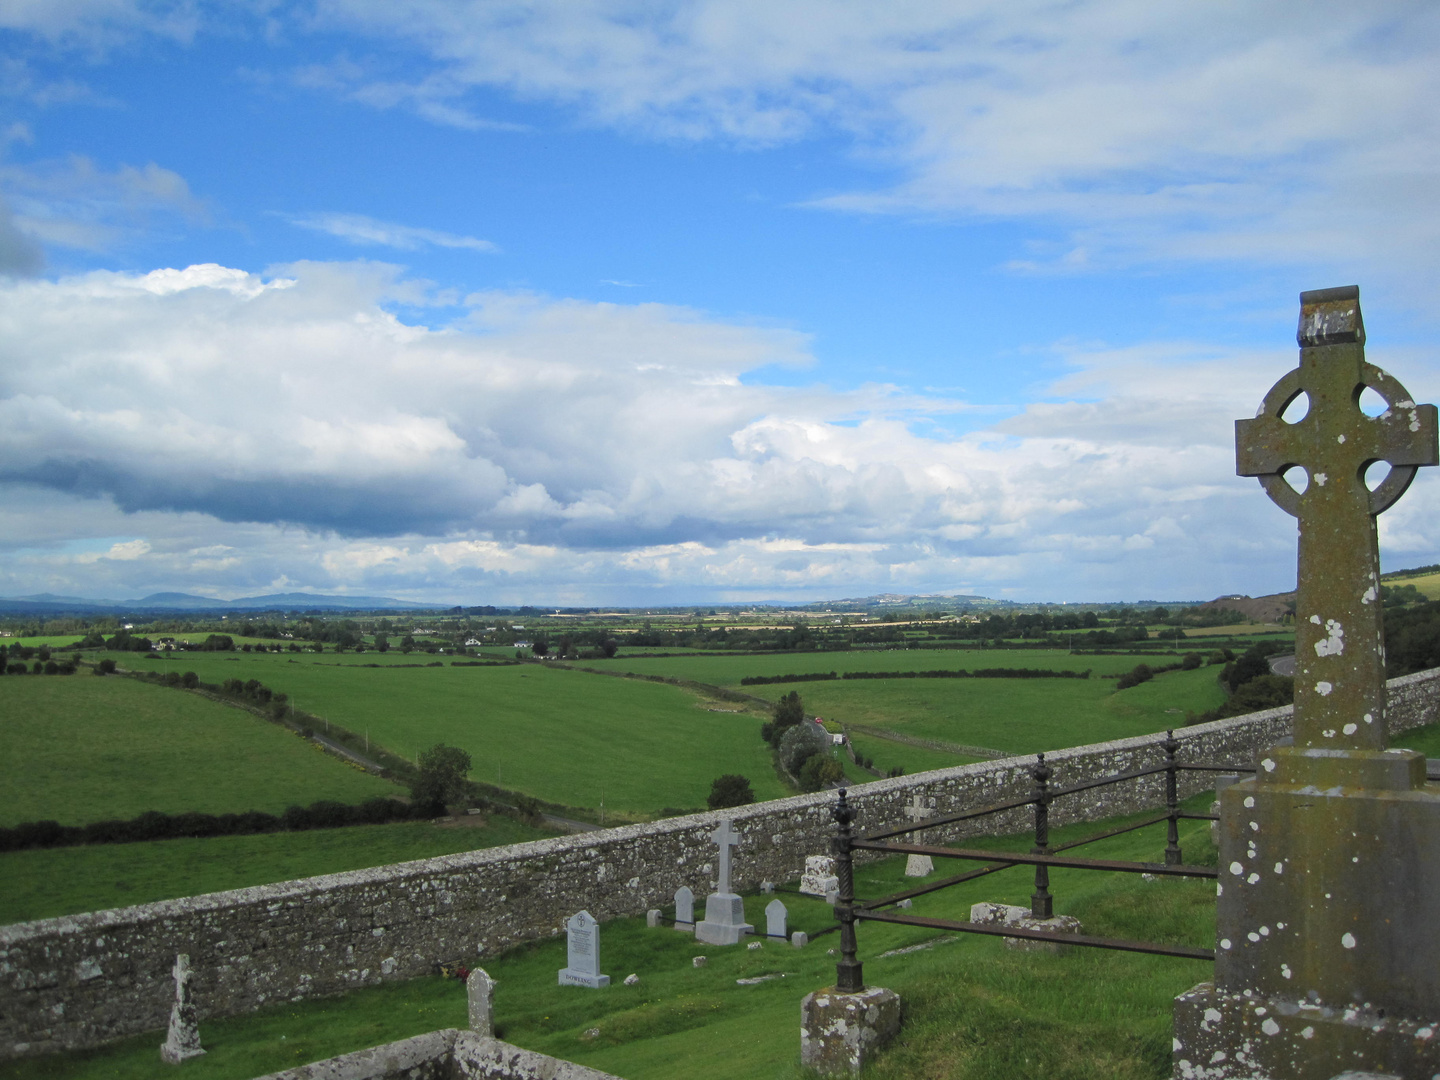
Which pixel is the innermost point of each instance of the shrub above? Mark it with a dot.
(441, 777)
(819, 772)
(730, 790)
(1138, 674)
(799, 743)
(190, 680)
(105, 667)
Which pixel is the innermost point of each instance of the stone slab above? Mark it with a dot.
(724, 922)
(840, 1032)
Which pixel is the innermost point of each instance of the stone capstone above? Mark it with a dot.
(840, 1032)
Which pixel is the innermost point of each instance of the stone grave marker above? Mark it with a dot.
(917, 811)
(776, 918)
(724, 922)
(685, 909)
(819, 878)
(480, 993)
(182, 1041)
(1327, 958)
(582, 967)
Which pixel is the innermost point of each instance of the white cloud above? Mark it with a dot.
(1135, 130)
(249, 428)
(362, 230)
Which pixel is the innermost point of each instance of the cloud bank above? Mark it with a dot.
(210, 428)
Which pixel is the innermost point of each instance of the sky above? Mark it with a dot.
(630, 302)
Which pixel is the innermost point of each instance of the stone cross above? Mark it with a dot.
(182, 1041)
(727, 838)
(918, 865)
(1326, 958)
(1340, 666)
(582, 940)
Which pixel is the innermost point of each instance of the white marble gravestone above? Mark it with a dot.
(182, 1041)
(724, 922)
(918, 865)
(582, 935)
(685, 909)
(775, 919)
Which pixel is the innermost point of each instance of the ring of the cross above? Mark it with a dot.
(1290, 387)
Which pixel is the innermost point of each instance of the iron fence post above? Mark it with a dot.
(848, 976)
(1172, 800)
(1042, 904)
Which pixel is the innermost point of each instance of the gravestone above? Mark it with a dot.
(775, 919)
(819, 878)
(480, 993)
(182, 1041)
(582, 939)
(724, 922)
(685, 909)
(918, 865)
(1327, 958)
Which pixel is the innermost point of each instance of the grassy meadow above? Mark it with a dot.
(80, 749)
(43, 883)
(974, 1009)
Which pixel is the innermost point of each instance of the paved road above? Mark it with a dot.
(1282, 665)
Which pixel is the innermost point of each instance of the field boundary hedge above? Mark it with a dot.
(956, 673)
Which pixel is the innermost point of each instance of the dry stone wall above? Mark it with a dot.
(85, 980)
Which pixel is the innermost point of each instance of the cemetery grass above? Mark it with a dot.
(974, 1009)
(80, 748)
(560, 735)
(45, 883)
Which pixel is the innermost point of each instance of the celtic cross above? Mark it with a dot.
(1339, 645)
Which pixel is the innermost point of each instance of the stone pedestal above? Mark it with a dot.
(839, 1032)
(1014, 915)
(819, 878)
(1327, 957)
(724, 922)
(919, 866)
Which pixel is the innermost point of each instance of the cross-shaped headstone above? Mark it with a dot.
(1340, 662)
(917, 811)
(727, 838)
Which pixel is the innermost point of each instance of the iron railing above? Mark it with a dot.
(849, 911)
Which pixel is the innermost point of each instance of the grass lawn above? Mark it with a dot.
(974, 1009)
(912, 759)
(80, 749)
(1017, 716)
(63, 881)
(561, 735)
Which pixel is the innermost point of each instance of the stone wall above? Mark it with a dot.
(84, 980)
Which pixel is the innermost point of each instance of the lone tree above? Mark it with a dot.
(789, 711)
(441, 779)
(729, 790)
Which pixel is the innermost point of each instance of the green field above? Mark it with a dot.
(560, 735)
(80, 749)
(63, 881)
(974, 1010)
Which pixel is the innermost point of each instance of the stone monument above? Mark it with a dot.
(182, 1041)
(1327, 959)
(917, 811)
(480, 993)
(582, 939)
(724, 922)
(685, 909)
(776, 918)
(819, 878)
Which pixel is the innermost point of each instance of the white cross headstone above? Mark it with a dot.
(724, 922)
(582, 935)
(685, 909)
(775, 919)
(182, 1041)
(918, 865)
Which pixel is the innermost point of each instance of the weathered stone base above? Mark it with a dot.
(447, 1054)
(724, 922)
(919, 866)
(1233, 1037)
(838, 1032)
(174, 1055)
(570, 977)
(1014, 915)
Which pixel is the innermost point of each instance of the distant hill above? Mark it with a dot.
(47, 603)
(1266, 609)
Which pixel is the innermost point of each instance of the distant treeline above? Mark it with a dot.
(955, 673)
(155, 825)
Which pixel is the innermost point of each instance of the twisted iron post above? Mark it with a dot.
(1042, 904)
(848, 976)
(1173, 856)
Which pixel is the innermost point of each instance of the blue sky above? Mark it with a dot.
(607, 302)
